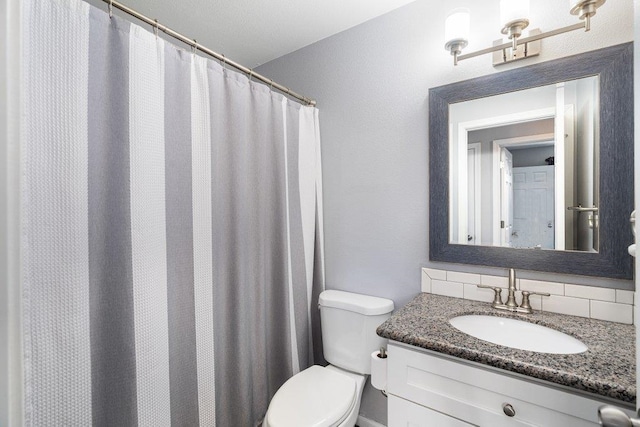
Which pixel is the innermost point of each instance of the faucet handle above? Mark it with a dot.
(497, 296)
(525, 298)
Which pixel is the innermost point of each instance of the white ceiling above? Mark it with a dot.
(253, 32)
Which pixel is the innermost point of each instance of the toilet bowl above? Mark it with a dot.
(330, 396)
(317, 397)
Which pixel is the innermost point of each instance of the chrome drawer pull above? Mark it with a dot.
(508, 410)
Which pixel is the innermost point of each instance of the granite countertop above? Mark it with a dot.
(607, 368)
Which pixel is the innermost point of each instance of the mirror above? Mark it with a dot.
(524, 168)
(532, 168)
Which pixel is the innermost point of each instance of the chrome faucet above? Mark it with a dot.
(511, 298)
(511, 304)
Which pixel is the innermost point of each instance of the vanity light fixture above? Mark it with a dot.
(514, 15)
(456, 31)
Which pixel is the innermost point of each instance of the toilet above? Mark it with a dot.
(330, 396)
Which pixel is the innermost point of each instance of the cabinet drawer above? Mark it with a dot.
(477, 395)
(403, 413)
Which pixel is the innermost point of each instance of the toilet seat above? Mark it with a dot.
(316, 397)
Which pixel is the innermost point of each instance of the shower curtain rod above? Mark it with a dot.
(194, 44)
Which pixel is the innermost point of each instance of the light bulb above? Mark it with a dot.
(457, 25)
(513, 10)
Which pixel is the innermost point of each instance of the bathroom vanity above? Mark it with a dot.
(438, 375)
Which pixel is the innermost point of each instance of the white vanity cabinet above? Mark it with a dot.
(428, 389)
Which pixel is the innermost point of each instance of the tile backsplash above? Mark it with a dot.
(614, 305)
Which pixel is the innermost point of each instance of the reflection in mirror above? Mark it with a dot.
(524, 168)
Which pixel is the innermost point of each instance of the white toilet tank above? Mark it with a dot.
(349, 323)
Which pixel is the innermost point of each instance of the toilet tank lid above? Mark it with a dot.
(358, 303)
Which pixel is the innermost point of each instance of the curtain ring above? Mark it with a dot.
(194, 46)
(250, 74)
(110, 8)
(155, 28)
(271, 85)
(224, 62)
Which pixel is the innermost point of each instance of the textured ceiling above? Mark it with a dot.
(253, 32)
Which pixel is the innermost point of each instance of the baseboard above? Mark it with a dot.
(366, 422)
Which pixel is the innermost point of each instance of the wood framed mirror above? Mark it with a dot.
(585, 235)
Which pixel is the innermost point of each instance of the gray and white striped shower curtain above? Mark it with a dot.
(171, 235)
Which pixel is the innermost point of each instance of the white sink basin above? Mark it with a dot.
(518, 334)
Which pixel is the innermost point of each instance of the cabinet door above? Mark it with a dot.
(403, 413)
(477, 395)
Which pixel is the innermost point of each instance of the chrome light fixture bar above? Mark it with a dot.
(514, 14)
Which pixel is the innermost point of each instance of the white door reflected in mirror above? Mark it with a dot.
(524, 168)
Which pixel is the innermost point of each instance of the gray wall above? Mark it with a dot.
(534, 156)
(371, 83)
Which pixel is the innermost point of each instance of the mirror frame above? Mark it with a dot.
(614, 66)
